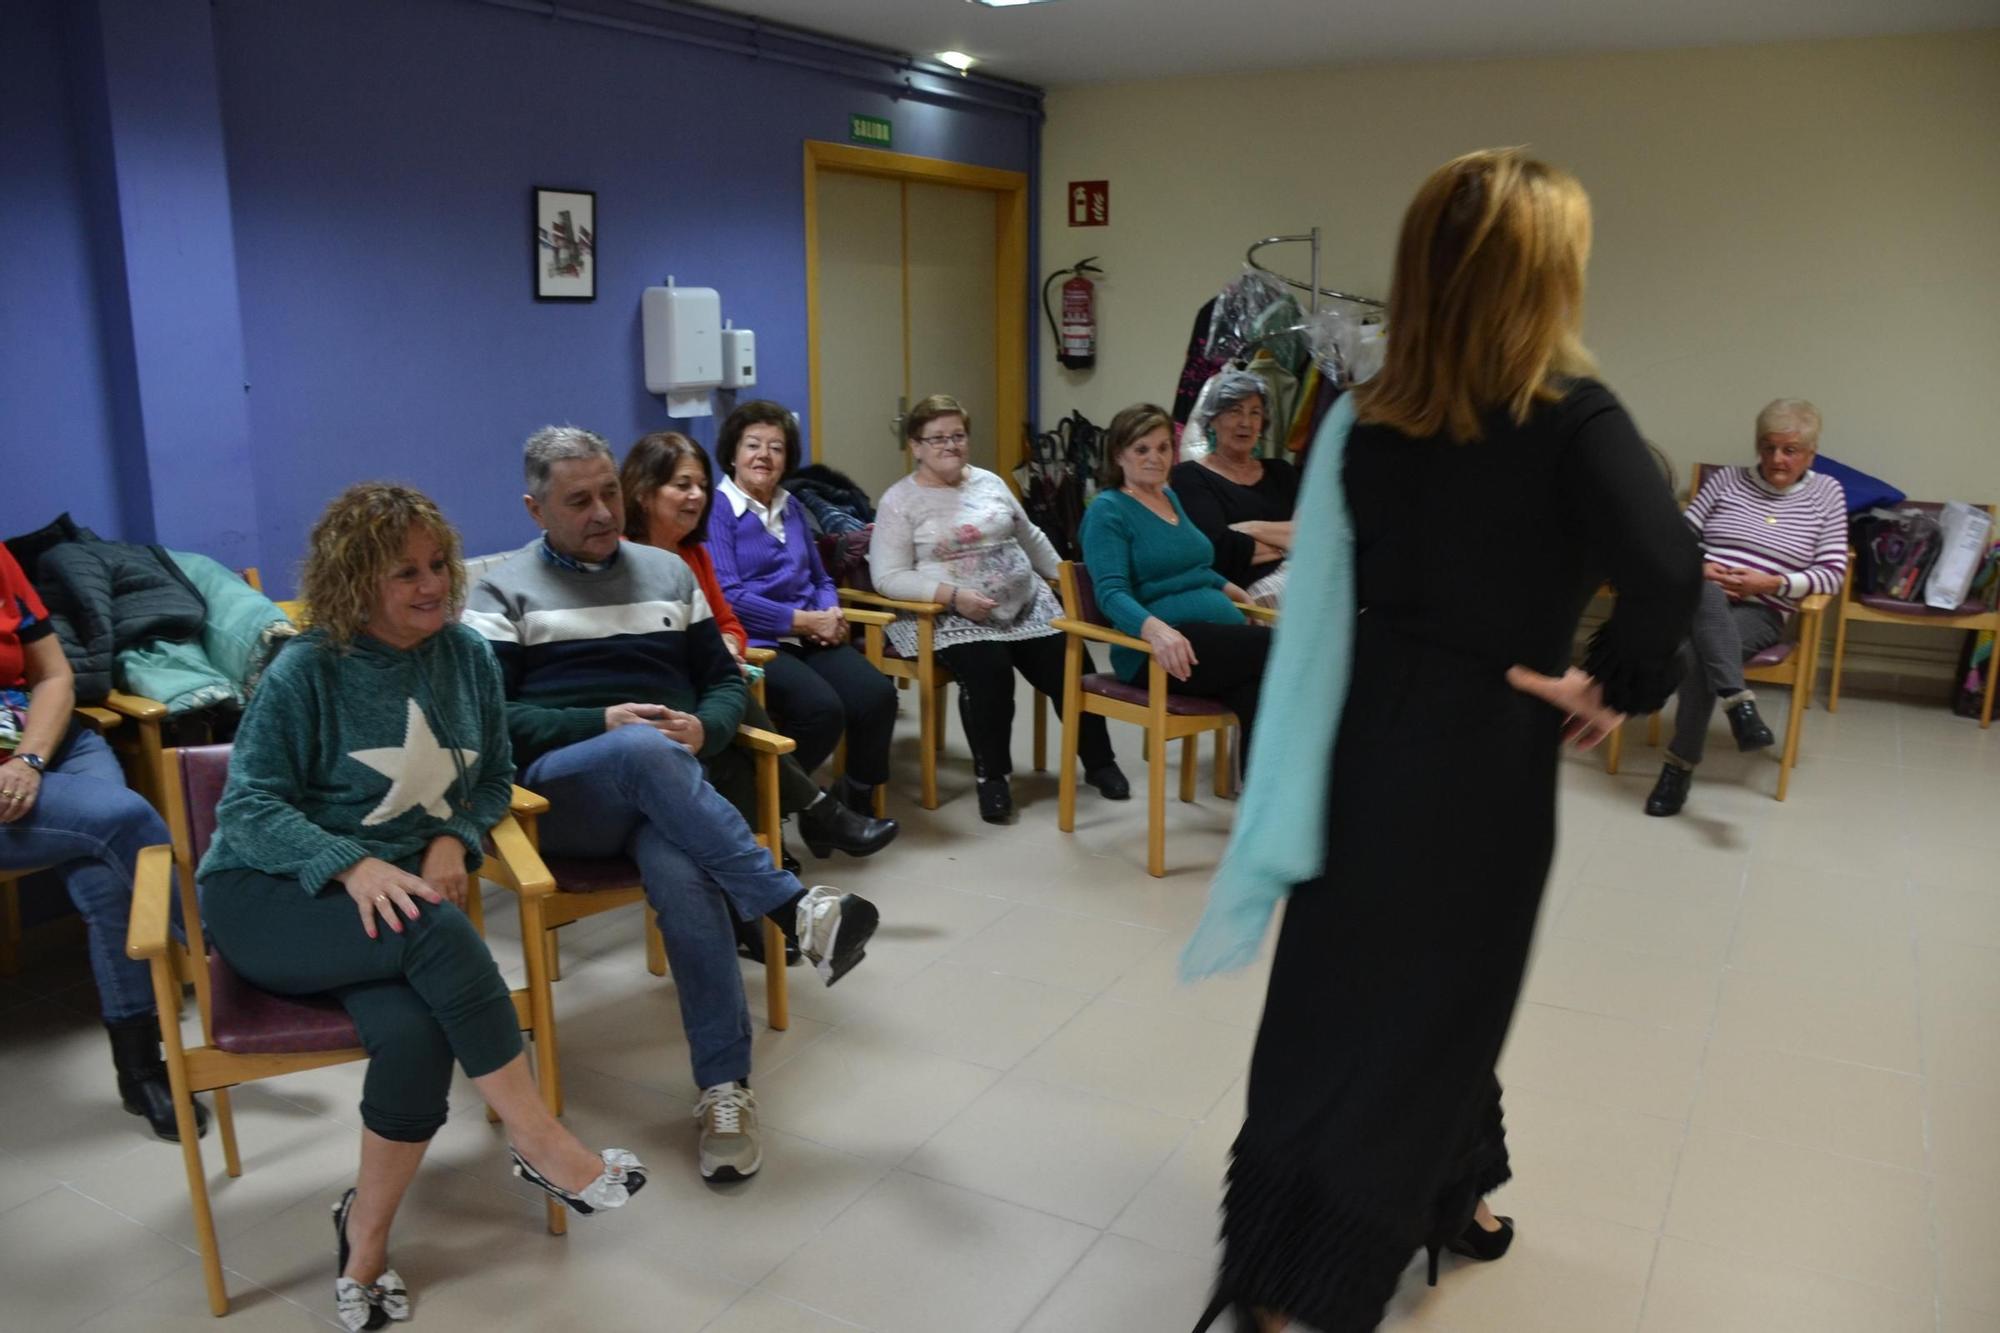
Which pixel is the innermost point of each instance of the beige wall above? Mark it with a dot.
(1820, 220)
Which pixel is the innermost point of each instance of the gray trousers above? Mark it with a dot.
(1725, 635)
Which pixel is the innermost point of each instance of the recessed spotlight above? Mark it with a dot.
(1008, 4)
(958, 60)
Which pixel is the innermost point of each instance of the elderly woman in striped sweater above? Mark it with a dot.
(1770, 536)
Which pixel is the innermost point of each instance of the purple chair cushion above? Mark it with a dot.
(1178, 705)
(1881, 602)
(204, 770)
(1772, 656)
(1086, 597)
(578, 875)
(249, 1021)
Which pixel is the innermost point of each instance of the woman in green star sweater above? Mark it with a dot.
(369, 765)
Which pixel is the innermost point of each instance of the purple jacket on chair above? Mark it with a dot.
(766, 580)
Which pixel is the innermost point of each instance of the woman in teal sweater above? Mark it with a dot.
(368, 767)
(1154, 575)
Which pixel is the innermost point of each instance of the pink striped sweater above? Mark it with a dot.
(1799, 532)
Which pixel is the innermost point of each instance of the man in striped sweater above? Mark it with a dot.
(1770, 536)
(618, 686)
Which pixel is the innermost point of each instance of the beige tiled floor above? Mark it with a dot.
(1753, 1088)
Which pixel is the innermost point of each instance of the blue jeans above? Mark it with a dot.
(90, 826)
(633, 793)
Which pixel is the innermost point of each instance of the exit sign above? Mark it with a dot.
(869, 130)
(1090, 203)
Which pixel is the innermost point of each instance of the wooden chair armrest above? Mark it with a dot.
(891, 603)
(759, 741)
(98, 719)
(1099, 634)
(137, 707)
(856, 616)
(152, 898)
(525, 802)
(515, 863)
(759, 656)
(1252, 611)
(1815, 604)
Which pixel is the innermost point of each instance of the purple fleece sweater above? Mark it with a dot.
(765, 579)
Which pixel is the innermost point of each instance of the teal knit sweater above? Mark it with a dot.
(369, 752)
(1141, 565)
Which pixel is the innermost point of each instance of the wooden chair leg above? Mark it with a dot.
(10, 927)
(1190, 761)
(225, 1129)
(554, 950)
(928, 743)
(197, 1177)
(777, 999)
(943, 716)
(1839, 656)
(1992, 675)
(1156, 770)
(1223, 772)
(656, 947)
(1794, 724)
(1614, 750)
(1653, 731)
(1041, 733)
(1072, 722)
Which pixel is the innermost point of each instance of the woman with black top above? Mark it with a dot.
(1374, 1124)
(1242, 503)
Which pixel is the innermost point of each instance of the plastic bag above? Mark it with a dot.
(1962, 546)
(1897, 549)
(1347, 344)
(1256, 311)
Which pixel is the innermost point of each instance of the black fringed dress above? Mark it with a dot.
(1374, 1115)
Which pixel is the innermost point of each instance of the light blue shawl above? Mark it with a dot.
(1280, 834)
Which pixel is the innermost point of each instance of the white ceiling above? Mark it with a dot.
(1090, 41)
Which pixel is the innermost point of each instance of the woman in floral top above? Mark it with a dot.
(954, 534)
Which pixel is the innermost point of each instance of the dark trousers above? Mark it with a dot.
(1724, 636)
(419, 999)
(818, 694)
(985, 674)
(734, 774)
(1229, 668)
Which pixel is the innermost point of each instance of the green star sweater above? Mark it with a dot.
(373, 751)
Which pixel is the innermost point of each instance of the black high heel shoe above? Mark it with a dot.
(1475, 1242)
(364, 1305)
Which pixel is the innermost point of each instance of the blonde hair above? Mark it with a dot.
(1487, 301)
(354, 546)
(1789, 416)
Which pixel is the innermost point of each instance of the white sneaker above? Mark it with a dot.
(834, 929)
(730, 1146)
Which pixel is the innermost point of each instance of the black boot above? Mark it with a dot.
(1747, 727)
(1670, 793)
(142, 1076)
(996, 800)
(856, 796)
(829, 823)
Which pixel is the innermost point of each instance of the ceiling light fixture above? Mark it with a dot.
(1008, 4)
(958, 60)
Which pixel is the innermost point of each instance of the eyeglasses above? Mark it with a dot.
(956, 439)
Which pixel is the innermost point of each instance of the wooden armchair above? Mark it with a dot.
(1880, 609)
(556, 891)
(247, 1034)
(875, 612)
(1166, 717)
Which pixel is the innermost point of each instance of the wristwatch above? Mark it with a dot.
(33, 761)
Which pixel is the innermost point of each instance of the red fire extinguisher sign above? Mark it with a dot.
(1089, 203)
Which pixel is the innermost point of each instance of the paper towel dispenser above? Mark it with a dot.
(682, 331)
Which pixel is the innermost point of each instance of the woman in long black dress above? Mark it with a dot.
(1490, 487)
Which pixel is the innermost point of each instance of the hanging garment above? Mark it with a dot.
(1298, 434)
(1281, 400)
(1197, 366)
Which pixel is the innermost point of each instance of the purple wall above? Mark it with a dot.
(57, 437)
(381, 154)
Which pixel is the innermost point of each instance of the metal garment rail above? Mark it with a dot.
(1312, 288)
(893, 69)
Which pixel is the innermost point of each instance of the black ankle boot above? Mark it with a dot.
(1747, 727)
(142, 1076)
(1670, 793)
(856, 796)
(829, 824)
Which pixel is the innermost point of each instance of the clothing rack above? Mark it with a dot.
(1312, 288)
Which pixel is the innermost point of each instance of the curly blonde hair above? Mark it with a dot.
(354, 546)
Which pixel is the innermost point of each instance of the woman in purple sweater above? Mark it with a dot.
(1770, 536)
(818, 686)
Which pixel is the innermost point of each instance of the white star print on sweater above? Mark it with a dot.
(420, 771)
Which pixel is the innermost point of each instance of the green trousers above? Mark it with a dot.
(419, 999)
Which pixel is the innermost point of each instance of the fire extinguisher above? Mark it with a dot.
(1076, 334)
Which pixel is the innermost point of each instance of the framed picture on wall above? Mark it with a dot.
(565, 245)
